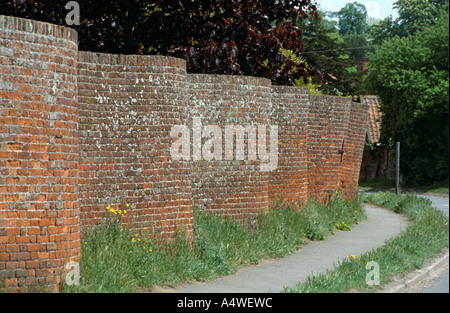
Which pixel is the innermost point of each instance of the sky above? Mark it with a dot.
(378, 9)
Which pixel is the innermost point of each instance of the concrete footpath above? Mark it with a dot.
(313, 258)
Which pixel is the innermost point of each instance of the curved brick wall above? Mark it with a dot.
(39, 221)
(128, 105)
(80, 131)
(290, 107)
(234, 187)
(354, 148)
(327, 129)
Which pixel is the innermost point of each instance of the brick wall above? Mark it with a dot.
(235, 185)
(80, 131)
(290, 108)
(354, 148)
(128, 105)
(39, 220)
(327, 128)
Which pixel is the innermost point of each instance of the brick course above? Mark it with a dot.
(128, 105)
(290, 109)
(80, 131)
(235, 187)
(327, 125)
(354, 148)
(39, 219)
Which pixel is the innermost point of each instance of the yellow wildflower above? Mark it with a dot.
(352, 256)
(111, 210)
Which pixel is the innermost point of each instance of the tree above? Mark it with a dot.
(385, 29)
(353, 27)
(220, 36)
(110, 26)
(414, 15)
(411, 77)
(234, 37)
(325, 49)
(352, 19)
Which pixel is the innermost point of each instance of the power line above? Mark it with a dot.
(354, 48)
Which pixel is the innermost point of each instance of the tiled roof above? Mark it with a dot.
(374, 118)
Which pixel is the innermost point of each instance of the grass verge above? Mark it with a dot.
(115, 259)
(389, 185)
(424, 238)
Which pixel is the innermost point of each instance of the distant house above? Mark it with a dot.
(376, 163)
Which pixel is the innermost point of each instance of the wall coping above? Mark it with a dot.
(38, 27)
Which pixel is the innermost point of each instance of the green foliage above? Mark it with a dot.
(313, 88)
(410, 76)
(325, 49)
(214, 37)
(385, 29)
(414, 15)
(426, 237)
(114, 258)
(353, 27)
(357, 45)
(352, 19)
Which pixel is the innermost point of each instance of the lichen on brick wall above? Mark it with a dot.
(39, 220)
(81, 131)
(127, 106)
(232, 185)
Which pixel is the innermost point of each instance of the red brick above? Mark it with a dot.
(24, 153)
(72, 159)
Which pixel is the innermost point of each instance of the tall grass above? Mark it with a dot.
(115, 259)
(427, 236)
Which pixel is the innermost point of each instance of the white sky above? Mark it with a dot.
(379, 9)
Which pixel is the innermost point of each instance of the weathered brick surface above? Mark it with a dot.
(235, 187)
(39, 220)
(354, 148)
(128, 105)
(290, 107)
(80, 131)
(327, 128)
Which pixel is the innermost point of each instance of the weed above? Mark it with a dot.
(114, 258)
(427, 236)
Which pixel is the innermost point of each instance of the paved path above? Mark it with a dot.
(312, 258)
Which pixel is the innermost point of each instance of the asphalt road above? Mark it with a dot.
(440, 283)
(438, 202)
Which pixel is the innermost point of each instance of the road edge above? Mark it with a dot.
(406, 284)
